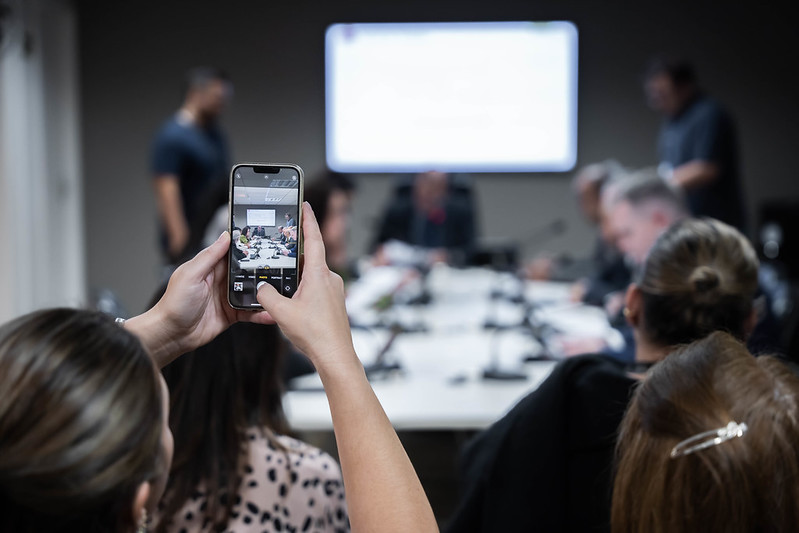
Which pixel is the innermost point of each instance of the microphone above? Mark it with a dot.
(544, 233)
(505, 257)
(381, 367)
(494, 370)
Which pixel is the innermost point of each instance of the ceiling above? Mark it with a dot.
(266, 196)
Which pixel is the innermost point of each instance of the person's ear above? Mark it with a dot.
(751, 321)
(140, 502)
(633, 305)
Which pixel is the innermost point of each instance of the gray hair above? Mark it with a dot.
(644, 188)
(598, 174)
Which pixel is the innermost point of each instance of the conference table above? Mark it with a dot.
(428, 341)
(266, 249)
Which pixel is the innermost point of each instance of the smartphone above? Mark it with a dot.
(265, 228)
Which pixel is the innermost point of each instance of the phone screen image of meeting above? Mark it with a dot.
(264, 247)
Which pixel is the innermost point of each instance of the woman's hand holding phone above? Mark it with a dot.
(194, 308)
(315, 320)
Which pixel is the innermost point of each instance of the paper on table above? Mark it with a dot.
(547, 292)
(577, 319)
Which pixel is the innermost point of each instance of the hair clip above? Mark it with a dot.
(709, 438)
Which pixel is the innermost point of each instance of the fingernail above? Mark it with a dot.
(223, 234)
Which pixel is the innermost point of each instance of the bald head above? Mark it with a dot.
(430, 189)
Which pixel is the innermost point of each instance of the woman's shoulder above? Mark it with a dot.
(593, 366)
(288, 485)
(280, 456)
(580, 379)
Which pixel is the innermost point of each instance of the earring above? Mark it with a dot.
(144, 521)
(626, 312)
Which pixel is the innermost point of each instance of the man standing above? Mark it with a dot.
(697, 144)
(189, 155)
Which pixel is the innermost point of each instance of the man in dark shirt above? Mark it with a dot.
(697, 145)
(431, 217)
(189, 154)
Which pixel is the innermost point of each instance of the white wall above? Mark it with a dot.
(41, 214)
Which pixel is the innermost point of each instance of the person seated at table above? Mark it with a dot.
(278, 235)
(640, 208)
(608, 271)
(290, 248)
(84, 444)
(239, 249)
(430, 217)
(330, 195)
(234, 461)
(546, 465)
(709, 444)
(245, 236)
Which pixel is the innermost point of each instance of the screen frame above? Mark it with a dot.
(565, 164)
(300, 240)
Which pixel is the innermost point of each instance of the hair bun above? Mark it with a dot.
(704, 279)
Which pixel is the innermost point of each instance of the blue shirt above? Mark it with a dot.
(198, 156)
(704, 131)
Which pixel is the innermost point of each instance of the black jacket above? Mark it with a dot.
(548, 464)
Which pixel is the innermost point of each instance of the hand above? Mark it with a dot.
(540, 268)
(315, 319)
(194, 308)
(578, 290)
(438, 255)
(614, 303)
(569, 347)
(380, 258)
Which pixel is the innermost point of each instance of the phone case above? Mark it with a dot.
(235, 283)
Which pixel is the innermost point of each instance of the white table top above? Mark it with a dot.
(415, 404)
(268, 249)
(440, 384)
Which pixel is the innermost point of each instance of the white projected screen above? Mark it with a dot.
(260, 217)
(465, 97)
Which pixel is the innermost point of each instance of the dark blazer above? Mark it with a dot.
(452, 228)
(547, 465)
(609, 273)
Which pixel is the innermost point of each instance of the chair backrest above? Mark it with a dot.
(460, 187)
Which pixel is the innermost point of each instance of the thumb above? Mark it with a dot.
(204, 262)
(271, 300)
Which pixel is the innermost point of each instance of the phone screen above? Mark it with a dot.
(265, 245)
